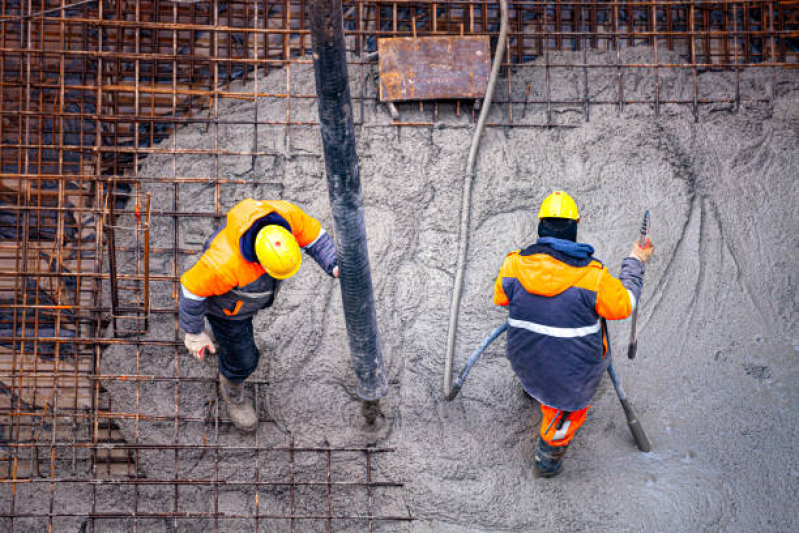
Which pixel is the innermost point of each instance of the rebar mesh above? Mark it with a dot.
(90, 89)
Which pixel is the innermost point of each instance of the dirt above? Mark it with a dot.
(715, 379)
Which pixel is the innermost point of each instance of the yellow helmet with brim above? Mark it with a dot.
(278, 252)
(559, 205)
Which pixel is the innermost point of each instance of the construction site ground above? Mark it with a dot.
(714, 382)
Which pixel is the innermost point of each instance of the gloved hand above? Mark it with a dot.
(643, 253)
(196, 343)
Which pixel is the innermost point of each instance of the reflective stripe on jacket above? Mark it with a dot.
(556, 343)
(225, 283)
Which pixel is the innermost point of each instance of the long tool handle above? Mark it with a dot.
(632, 421)
(633, 347)
(643, 237)
(456, 387)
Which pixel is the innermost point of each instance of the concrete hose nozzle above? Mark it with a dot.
(346, 197)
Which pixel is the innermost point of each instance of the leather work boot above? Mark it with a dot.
(548, 459)
(239, 407)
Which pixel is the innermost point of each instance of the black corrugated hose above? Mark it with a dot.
(346, 198)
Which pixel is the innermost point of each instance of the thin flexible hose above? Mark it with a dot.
(466, 207)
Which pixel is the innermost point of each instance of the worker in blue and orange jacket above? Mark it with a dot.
(238, 274)
(558, 296)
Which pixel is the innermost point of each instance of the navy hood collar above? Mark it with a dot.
(580, 255)
(577, 250)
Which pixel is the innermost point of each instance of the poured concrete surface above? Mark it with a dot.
(715, 379)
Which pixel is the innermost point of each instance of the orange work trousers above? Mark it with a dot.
(561, 432)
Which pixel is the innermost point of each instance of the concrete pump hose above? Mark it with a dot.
(463, 242)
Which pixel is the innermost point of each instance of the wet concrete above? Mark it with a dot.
(715, 379)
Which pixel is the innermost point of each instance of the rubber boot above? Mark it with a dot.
(239, 408)
(549, 459)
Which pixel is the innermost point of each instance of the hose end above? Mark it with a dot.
(456, 388)
(370, 411)
(641, 441)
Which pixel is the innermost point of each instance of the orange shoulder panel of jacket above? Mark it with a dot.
(244, 214)
(544, 275)
(592, 277)
(612, 299)
(205, 279)
(304, 227)
(500, 298)
(220, 269)
(509, 264)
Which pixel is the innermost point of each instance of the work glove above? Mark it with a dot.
(643, 253)
(196, 344)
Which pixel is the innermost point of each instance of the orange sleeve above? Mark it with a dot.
(304, 228)
(206, 279)
(612, 298)
(500, 298)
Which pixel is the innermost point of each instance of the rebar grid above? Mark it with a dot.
(89, 89)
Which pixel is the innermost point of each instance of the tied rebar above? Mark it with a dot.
(89, 90)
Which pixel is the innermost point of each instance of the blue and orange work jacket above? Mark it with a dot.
(557, 344)
(228, 281)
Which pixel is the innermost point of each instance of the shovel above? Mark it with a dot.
(643, 238)
(632, 421)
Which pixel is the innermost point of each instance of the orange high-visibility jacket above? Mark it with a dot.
(222, 267)
(556, 343)
(225, 282)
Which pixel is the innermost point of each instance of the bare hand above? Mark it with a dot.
(335, 272)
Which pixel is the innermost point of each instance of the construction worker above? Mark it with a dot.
(558, 297)
(239, 273)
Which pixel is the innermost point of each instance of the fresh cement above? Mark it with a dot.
(715, 379)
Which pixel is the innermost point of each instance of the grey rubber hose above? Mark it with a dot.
(466, 206)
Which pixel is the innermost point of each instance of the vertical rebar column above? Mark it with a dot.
(346, 198)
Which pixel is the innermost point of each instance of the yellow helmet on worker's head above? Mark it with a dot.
(559, 205)
(278, 252)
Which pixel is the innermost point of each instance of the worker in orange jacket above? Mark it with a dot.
(558, 294)
(239, 273)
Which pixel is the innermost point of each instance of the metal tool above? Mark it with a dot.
(632, 421)
(643, 240)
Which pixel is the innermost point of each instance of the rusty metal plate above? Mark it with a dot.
(433, 68)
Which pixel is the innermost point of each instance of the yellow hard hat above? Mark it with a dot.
(278, 252)
(559, 205)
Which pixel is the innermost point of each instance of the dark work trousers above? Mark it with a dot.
(238, 355)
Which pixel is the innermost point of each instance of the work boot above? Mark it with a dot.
(239, 408)
(549, 459)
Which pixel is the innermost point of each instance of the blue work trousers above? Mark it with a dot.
(238, 356)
